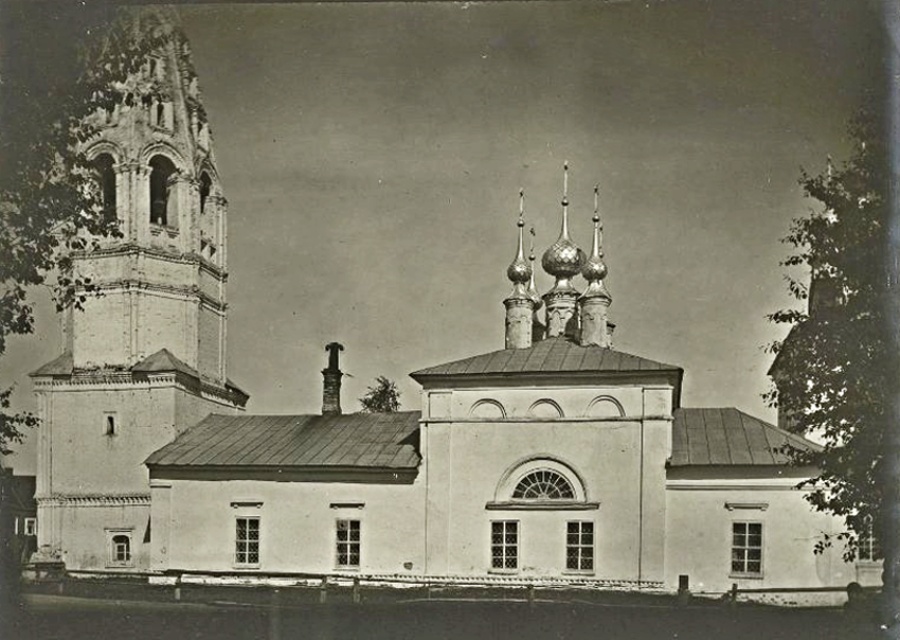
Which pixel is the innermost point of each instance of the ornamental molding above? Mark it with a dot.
(398, 580)
(183, 292)
(712, 484)
(95, 500)
(131, 249)
(106, 381)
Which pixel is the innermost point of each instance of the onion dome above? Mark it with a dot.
(595, 269)
(532, 290)
(519, 271)
(564, 259)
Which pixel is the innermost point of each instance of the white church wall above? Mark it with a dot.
(86, 457)
(700, 537)
(195, 522)
(209, 347)
(467, 460)
(83, 534)
(101, 333)
(524, 401)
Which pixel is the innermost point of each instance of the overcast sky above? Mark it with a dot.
(372, 156)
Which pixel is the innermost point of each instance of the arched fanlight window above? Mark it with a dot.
(161, 170)
(544, 484)
(106, 177)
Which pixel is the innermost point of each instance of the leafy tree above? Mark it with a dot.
(382, 397)
(63, 67)
(835, 373)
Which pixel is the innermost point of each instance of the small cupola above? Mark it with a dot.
(594, 302)
(563, 260)
(520, 304)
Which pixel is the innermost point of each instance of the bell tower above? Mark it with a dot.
(146, 356)
(162, 284)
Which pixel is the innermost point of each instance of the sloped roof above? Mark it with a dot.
(552, 355)
(163, 360)
(728, 437)
(62, 365)
(357, 440)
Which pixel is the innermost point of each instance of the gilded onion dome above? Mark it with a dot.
(595, 269)
(563, 259)
(532, 290)
(519, 271)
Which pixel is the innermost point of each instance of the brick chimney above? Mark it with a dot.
(331, 390)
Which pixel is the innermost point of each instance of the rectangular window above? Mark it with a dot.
(246, 542)
(118, 548)
(504, 544)
(30, 526)
(746, 548)
(109, 424)
(580, 546)
(348, 544)
(869, 549)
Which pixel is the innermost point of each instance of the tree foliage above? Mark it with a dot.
(382, 397)
(832, 371)
(63, 67)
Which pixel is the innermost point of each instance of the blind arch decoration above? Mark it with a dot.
(544, 484)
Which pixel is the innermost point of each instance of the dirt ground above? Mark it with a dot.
(124, 611)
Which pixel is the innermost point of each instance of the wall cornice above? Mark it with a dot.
(94, 500)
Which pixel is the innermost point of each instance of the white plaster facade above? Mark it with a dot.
(145, 357)
(146, 361)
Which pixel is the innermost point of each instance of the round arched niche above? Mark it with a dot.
(487, 408)
(545, 408)
(604, 407)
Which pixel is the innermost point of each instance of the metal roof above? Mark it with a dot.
(720, 436)
(729, 437)
(163, 361)
(552, 355)
(357, 440)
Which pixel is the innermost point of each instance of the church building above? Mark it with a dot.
(556, 459)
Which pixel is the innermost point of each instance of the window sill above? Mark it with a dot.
(870, 563)
(347, 569)
(548, 505)
(578, 572)
(157, 229)
(246, 567)
(746, 576)
(503, 572)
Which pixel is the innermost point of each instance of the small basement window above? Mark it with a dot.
(109, 424)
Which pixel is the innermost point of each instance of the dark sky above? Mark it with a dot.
(372, 155)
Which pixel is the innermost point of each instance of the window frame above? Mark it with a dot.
(870, 542)
(107, 417)
(504, 546)
(573, 494)
(112, 560)
(345, 547)
(745, 548)
(237, 551)
(29, 526)
(580, 547)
